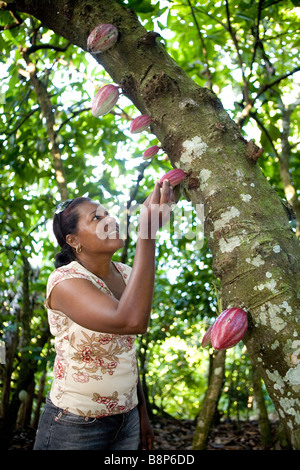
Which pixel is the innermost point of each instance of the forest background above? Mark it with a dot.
(52, 148)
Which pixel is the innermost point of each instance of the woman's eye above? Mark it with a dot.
(99, 217)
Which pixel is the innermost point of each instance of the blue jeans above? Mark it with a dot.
(59, 430)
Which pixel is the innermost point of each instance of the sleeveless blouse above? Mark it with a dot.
(94, 374)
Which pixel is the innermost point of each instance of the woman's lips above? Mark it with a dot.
(113, 232)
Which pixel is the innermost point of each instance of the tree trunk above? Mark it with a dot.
(255, 252)
(263, 419)
(210, 402)
(230, 396)
(142, 355)
(39, 400)
(21, 397)
(46, 107)
(11, 345)
(284, 160)
(25, 409)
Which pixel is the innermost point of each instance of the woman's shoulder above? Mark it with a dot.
(123, 265)
(76, 270)
(125, 269)
(70, 270)
(72, 267)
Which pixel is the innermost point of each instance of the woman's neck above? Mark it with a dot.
(101, 267)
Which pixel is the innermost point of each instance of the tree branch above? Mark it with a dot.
(265, 131)
(267, 86)
(204, 50)
(212, 17)
(256, 34)
(22, 121)
(15, 15)
(74, 114)
(46, 108)
(36, 47)
(240, 60)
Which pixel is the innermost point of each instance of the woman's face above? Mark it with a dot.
(97, 231)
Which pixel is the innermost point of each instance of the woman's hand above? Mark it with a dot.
(156, 210)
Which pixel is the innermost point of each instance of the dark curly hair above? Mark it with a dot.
(64, 223)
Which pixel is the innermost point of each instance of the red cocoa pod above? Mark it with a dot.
(102, 37)
(151, 151)
(104, 100)
(229, 328)
(140, 123)
(174, 176)
(206, 340)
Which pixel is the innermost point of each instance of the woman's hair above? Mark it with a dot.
(65, 223)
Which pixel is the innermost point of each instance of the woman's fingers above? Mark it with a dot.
(156, 195)
(158, 207)
(172, 195)
(165, 192)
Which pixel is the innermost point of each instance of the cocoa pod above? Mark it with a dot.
(151, 151)
(206, 340)
(174, 176)
(102, 38)
(104, 100)
(229, 328)
(140, 123)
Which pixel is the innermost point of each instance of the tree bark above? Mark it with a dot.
(39, 400)
(255, 252)
(210, 402)
(263, 419)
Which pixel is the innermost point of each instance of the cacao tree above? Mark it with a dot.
(244, 46)
(259, 80)
(255, 251)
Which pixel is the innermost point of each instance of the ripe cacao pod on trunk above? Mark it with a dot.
(104, 100)
(229, 328)
(140, 123)
(151, 152)
(174, 176)
(102, 38)
(206, 340)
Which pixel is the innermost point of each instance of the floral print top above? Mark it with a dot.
(95, 374)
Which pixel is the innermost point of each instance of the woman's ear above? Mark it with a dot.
(72, 240)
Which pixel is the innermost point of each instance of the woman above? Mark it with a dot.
(95, 309)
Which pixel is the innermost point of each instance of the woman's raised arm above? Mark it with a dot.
(88, 306)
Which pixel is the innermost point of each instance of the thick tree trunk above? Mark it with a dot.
(255, 252)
